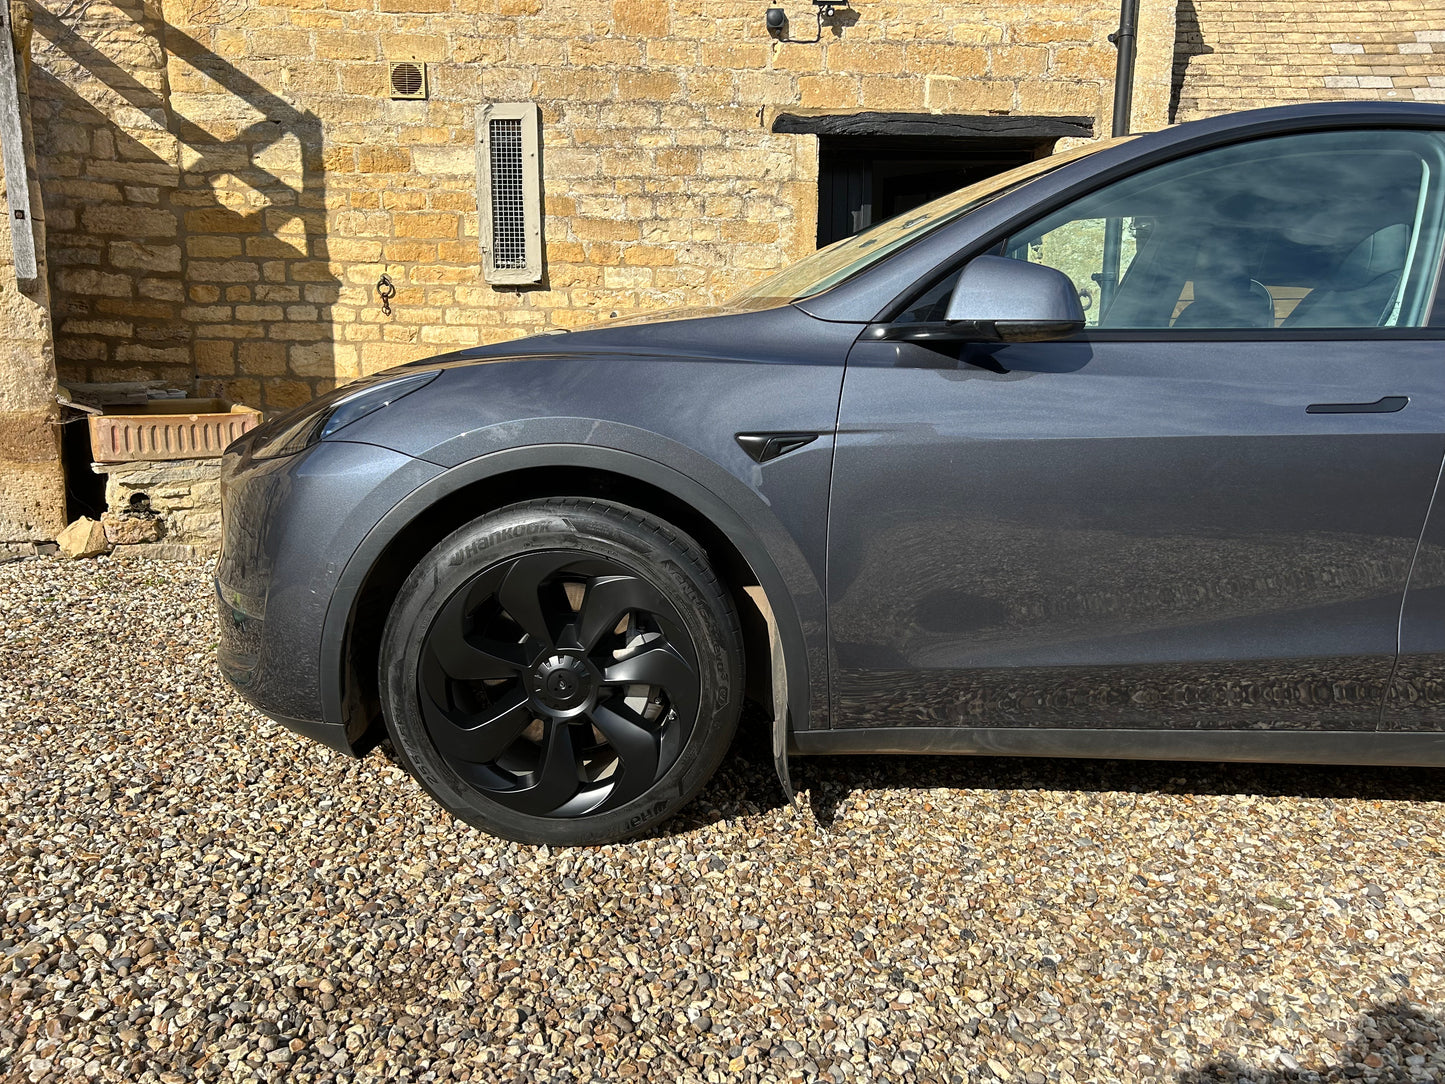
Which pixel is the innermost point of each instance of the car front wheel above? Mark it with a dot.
(562, 671)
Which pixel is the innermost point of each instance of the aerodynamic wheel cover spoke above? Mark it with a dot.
(660, 667)
(521, 594)
(465, 660)
(609, 599)
(638, 751)
(558, 777)
(482, 739)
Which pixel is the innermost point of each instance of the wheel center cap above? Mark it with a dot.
(561, 682)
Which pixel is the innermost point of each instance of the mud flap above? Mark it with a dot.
(779, 694)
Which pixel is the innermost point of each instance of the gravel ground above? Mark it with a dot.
(190, 892)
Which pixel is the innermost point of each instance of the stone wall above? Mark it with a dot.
(32, 485)
(178, 501)
(227, 180)
(1234, 55)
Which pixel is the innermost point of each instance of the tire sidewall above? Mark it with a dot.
(669, 560)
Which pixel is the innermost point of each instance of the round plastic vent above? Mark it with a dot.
(408, 80)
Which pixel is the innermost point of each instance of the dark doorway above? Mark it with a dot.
(84, 489)
(866, 179)
(872, 166)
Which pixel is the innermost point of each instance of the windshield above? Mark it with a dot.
(843, 259)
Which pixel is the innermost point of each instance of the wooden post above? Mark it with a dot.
(12, 150)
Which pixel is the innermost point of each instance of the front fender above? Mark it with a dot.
(792, 591)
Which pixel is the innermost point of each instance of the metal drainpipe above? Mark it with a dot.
(1123, 39)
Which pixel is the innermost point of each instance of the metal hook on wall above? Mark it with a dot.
(386, 290)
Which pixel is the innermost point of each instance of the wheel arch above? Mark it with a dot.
(776, 658)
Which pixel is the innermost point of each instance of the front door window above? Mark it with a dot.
(1327, 229)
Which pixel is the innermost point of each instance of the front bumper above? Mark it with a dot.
(290, 526)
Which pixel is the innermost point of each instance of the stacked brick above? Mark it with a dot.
(1235, 55)
(226, 181)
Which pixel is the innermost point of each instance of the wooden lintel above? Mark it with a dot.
(935, 125)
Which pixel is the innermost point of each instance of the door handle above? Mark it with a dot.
(1388, 405)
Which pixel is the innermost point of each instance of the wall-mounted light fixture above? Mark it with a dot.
(777, 21)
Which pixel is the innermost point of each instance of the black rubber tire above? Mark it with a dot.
(656, 552)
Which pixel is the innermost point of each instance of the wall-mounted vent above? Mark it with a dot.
(509, 193)
(509, 207)
(408, 80)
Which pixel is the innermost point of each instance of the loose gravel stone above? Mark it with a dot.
(190, 892)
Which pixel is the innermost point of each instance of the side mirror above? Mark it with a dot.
(999, 300)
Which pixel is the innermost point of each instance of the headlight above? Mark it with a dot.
(317, 420)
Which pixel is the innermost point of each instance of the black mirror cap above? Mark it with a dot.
(1035, 331)
(977, 331)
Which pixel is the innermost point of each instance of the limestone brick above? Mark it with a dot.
(1082, 63)
(1062, 99)
(215, 358)
(837, 92)
(345, 45)
(954, 60)
(131, 254)
(32, 499)
(947, 94)
(976, 33)
(867, 58)
(1049, 33)
(1030, 62)
(128, 221)
(648, 86)
(884, 93)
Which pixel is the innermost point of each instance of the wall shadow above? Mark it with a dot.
(1188, 44)
(1388, 1037)
(196, 255)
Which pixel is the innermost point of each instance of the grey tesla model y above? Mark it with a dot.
(1130, 452)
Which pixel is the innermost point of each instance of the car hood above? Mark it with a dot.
(770, 332)
(688, 379)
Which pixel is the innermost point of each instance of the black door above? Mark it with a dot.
(1202, 513)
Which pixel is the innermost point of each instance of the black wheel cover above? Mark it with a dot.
(559, 684)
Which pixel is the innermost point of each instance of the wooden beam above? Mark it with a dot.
(12, 152)
(935, 125)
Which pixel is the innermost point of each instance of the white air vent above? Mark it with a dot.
(408, 80)
(509, 193)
